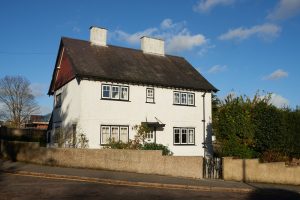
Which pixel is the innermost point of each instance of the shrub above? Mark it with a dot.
(153, 146)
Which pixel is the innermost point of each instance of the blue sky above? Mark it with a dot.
(240, 46)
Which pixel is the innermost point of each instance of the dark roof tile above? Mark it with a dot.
(132, 66)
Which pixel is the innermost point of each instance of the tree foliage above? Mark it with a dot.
(248, 128)
(17, 100)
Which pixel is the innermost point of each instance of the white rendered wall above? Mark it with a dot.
(91, 112)
(69, 111)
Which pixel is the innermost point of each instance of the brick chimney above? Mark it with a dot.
(98, 36)
(153, 46)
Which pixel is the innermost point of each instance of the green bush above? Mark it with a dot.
(154, 146)
(252, 127)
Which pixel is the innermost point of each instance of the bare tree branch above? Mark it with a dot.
(17, 100)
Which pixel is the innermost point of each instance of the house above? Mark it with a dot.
(37, 121)
(103, 91)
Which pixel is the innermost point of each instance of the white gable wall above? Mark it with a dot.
(83, 104)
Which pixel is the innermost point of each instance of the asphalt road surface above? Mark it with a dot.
(28, 187)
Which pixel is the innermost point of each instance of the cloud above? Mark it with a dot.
(278, 74)
(184, 42)
(204, 6)
(135, 37)
(176, 36)
(266, 31)
(205, 48)
(38, 89)
(279, 101)
(217, 69)
(76, 29)
(285, 9)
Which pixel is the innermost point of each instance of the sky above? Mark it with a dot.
(240, 46)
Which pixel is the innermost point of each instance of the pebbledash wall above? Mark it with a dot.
(84, 107)
(139, 161)
(250, 170)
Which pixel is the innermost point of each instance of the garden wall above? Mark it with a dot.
(250, 170)
(140, 161)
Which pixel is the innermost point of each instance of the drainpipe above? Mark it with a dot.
(203, 120)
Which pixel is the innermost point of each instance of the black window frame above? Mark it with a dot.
(111, 91)
(150, 99)
(187, 98)
(187, 136)
(110, 131)
(58, 100)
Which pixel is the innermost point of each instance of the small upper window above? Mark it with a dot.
(58, 100)
(150, 95)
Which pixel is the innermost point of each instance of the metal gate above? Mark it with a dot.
(212, 168)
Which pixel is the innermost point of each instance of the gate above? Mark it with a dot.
(212, 168)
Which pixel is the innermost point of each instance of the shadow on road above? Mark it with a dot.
(272, 193)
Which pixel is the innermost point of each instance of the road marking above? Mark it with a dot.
(128, 183)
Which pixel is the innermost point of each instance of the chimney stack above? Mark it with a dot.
(153, 46)
(98, 36)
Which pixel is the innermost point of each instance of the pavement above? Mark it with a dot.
(135, 179)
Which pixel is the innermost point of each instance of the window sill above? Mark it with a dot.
(183, 105)
(150, 102)
(114, 100)
(184, 144)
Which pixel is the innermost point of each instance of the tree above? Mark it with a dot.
(17, 100)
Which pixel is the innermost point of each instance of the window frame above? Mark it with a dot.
(58, 100)
(187, 100)
(120, 90)
(102, 91)
(122, 127)
(187, 129)
(174, 98)
(110, 133)
(150, 99)
(120, 93)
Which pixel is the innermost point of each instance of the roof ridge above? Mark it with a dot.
(110, 45)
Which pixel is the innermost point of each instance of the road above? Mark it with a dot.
(29, 187)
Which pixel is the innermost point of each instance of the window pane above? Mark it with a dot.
(58, 100)
(183, 136)
(105, 135)
(191, 136)
(115, 133)
(115, 92)
(191, 99)
(176, 98)
(124, 134)
(124, 93)
(106, 91)
(150, 93)
(176, 136)
(183, 98)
